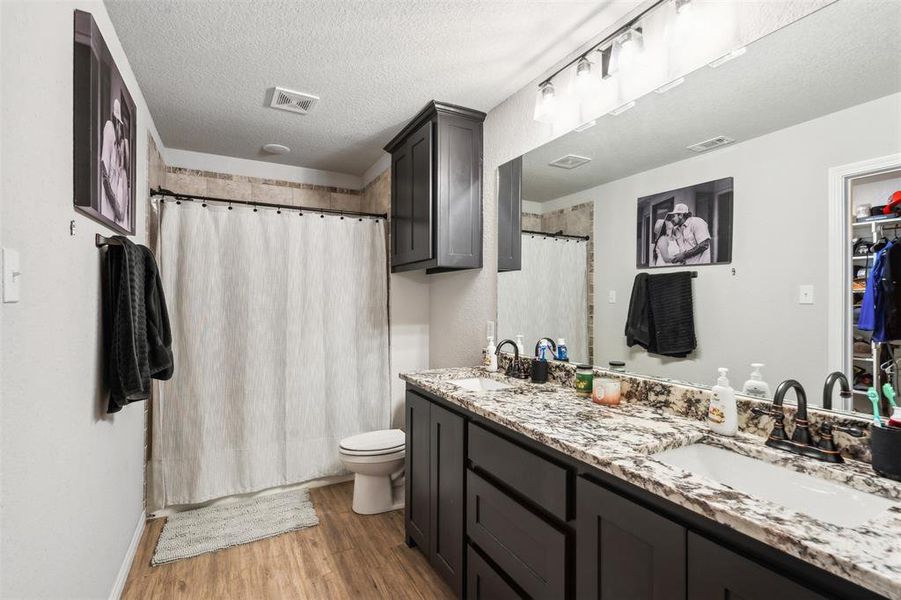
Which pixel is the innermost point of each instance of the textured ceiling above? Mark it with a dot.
(205, 67)
(845, 54)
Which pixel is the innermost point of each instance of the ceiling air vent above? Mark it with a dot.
(710, 144)
(570, 161)
(291, 101)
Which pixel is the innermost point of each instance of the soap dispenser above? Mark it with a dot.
(722, 415)
(491, 356)
(756, 386)
(521, 344)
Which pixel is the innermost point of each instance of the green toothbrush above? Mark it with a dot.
(873, 395)
(889, 392)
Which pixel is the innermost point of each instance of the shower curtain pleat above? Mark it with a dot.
(280, 336)
(548, 296)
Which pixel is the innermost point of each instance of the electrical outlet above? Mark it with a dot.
(805, 294)
(11, 275)
(611, 296)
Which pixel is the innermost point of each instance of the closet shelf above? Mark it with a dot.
(877, 222)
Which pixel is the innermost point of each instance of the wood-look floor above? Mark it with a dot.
(346, 556)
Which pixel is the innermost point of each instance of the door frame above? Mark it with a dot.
(839, 326)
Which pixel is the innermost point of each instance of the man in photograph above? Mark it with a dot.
(114, 168)
(691, 235)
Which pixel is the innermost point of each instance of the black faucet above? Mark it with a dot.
(801, 441)
(549, 341)
(830, 383)
(515, 370)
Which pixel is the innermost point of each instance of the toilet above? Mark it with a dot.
(377, 460)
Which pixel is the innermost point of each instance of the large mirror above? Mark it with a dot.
(754, 248)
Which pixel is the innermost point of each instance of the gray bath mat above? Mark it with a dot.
(212, 528)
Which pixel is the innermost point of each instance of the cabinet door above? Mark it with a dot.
(446, 509)
(483, 582)
(418, 497)
(624, 550)
(509, 216)
(411, 199)
(459, 188)
(715, 573)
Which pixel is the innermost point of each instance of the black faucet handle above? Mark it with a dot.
(763, 412)
(852, 431)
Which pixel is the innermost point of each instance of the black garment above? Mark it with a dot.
(661, 314)
(138, 340)
(891, 292)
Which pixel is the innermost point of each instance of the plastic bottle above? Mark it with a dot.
(490, 356)
(722, 415)
(756, 386)
(520, 343)
(562, 353)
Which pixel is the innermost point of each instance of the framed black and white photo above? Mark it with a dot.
(104, 132)
(687, 226)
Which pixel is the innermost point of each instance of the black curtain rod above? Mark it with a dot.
(557, 234)
(604, 41)
(331, 211)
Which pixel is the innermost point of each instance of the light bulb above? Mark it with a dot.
(683, 7)
(545, 103)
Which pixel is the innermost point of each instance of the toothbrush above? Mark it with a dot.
(873, 395)
(889, 392)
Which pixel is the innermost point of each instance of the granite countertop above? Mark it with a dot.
(620, 440)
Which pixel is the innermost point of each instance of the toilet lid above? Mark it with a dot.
(375, 442)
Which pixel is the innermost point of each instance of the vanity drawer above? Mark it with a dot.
(525, 546)
(483, 582)
(533, 476)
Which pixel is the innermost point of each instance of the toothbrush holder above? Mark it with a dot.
(885, 448)
(539, 371)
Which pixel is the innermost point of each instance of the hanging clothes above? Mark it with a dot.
(866, 321)
(890, 298)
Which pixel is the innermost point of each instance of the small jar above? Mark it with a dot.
(607, 392)
(618, 366)
(584, 380)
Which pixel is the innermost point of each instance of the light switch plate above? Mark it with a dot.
(805, 294)
(611, 296)
(11, 275)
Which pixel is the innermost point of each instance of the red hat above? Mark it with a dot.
(893, 202)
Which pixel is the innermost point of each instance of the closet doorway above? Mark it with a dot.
(851, 188)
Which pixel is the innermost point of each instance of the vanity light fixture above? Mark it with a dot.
(683, 7)
(625, 49)
(728, 56)
(668, 86)
(621, 109)
(546, 103)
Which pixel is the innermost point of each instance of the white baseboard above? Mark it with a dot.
(122, 577)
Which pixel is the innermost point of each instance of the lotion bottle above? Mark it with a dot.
(490, 356)
(756, 386)
(722, 415)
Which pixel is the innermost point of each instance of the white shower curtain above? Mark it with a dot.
(280, 337)
(549, 296)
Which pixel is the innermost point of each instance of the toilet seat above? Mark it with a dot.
(373, 443)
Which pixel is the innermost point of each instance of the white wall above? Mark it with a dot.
(408, 311)
(72, 479)
(461, 303)
(780, 242)
(216, 163)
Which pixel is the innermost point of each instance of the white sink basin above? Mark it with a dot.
(480, 384)
(819, 498)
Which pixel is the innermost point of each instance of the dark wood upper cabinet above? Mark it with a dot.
(509, 216)
(436, 199)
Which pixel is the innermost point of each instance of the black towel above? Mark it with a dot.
(138, 339)
(661, 314)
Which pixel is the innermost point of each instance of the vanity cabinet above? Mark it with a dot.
(434, 486)
(715, 573)
(514, 518)
(625, 550)
(436, 190)
(509, 215)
